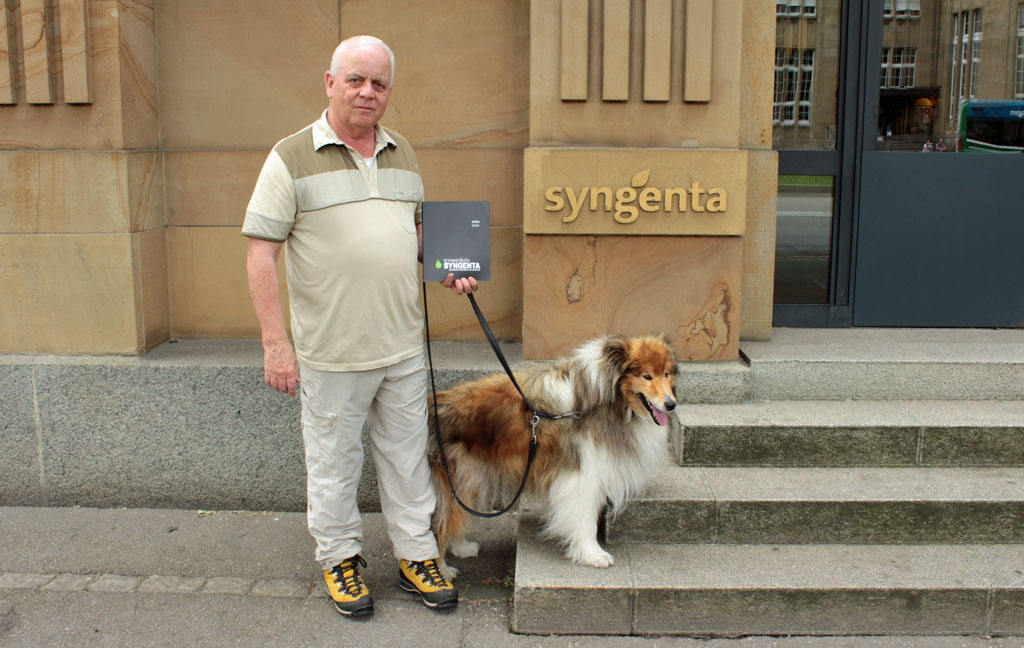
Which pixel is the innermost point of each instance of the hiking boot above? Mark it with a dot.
(425, 578)
(348, 591)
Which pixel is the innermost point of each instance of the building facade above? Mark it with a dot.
(651, 165)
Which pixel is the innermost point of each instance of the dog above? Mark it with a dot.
(622, 391)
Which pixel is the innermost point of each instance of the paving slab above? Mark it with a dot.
(219, 552)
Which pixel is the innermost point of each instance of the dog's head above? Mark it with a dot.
(647, 375)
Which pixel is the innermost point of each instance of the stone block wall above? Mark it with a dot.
(132, 131)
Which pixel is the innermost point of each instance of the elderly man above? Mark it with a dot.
(345, 195)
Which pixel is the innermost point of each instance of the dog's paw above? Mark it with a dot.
(463, 548)
(595, 557)
(449, 572)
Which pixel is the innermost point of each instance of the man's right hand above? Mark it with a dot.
(280, 369)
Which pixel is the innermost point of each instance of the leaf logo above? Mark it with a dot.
(437, 264)
(640, 179)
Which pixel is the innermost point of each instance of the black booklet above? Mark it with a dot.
(456, 240)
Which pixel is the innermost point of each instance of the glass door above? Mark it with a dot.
(810, 132)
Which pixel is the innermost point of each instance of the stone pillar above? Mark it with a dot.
(82, 237)
(649, 178)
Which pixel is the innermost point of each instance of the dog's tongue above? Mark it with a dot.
(661, 418)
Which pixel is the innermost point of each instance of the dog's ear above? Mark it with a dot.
(672, 351)
(616, 353)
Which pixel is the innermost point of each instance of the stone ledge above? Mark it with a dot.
(188, 425)
(192, 425)
(826, 505)
(851, 433)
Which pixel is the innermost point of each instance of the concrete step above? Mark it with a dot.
(826, 505)
(887, 364)
(722, 590)
(851, 433)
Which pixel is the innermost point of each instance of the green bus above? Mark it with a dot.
(989, 126)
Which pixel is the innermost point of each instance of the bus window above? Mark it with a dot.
(991, 127)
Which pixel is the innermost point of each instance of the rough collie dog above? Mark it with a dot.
(623, 391)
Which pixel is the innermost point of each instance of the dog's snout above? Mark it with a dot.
(669, 404)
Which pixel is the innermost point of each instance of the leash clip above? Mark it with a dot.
(533, 427)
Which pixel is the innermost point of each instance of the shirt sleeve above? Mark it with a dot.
(273, 206)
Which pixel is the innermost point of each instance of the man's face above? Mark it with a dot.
(358, 96)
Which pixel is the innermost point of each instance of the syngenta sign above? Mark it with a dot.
(626, 203)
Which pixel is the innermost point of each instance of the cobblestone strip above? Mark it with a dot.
(159, 584)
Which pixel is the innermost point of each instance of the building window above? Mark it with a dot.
(902, 9)
(794, 80)
(806, 85)
(792, 71)
(796, 8)
(1018, 84)
(898, 67)
(975, 54)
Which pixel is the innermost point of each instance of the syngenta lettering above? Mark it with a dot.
(628, 202)
(458, 264)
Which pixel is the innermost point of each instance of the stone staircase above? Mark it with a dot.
(866, 482)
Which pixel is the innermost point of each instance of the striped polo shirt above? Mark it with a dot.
(351, 248)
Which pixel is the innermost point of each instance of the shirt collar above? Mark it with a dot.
(323, 135)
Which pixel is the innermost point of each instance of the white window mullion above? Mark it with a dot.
(953, 59)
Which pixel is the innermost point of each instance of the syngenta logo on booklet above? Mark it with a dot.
(456, 240)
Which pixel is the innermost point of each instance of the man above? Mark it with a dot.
(344, 193)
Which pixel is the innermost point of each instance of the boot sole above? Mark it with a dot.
(443, 605)
(358, 612)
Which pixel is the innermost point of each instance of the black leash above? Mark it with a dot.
(537, 414)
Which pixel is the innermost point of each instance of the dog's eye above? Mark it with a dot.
(648, 377)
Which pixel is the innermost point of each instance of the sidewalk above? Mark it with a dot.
(146, 577)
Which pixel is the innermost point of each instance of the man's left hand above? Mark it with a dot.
(462, 286)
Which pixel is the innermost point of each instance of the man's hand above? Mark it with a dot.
(280, 369)
(462, 286)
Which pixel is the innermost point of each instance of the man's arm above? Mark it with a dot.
(458, 286)
(280, 369)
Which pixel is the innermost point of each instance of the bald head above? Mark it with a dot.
(352, 46)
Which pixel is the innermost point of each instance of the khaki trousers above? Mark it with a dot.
(392, 401)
